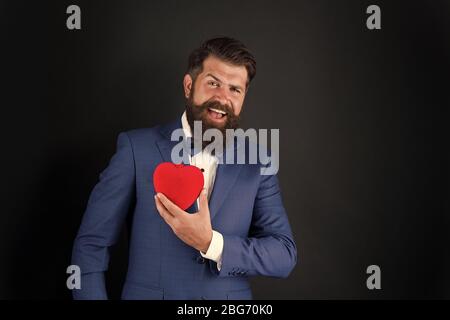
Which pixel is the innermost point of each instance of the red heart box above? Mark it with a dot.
(180, 183)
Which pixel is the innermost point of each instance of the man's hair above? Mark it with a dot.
(227, 49)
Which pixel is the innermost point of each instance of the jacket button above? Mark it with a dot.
(200, 260)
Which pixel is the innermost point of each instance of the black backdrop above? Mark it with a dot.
(362, 117)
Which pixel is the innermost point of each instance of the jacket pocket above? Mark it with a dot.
(136, 292)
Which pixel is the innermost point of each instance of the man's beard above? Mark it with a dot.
(200, 113)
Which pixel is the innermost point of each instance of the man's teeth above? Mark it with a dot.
(218, 111)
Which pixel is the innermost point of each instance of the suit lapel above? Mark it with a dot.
(165, 146)
(226, 177)
(226, 174)
(165, 149)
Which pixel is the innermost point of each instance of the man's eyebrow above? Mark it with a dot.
(236, 87)
(213, 76)
(217, 79)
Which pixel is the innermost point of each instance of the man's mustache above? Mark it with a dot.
(217, 105)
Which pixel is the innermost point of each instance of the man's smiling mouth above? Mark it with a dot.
(216, 113)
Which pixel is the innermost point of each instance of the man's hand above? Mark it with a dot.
(193, 229)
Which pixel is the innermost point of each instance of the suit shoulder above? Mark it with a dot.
(143, 134)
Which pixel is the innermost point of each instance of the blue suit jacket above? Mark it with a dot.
(245, 206)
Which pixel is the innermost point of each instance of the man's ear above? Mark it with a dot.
(187, 85)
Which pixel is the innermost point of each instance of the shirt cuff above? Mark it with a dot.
(215, 249)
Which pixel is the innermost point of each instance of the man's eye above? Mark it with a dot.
(213, 83)
(236, 90)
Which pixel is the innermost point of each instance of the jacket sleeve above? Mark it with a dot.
(269, 249)
(103, 219)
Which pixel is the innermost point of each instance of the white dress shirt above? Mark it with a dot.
(206, 162)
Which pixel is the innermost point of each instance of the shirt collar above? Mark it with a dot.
(186, 127)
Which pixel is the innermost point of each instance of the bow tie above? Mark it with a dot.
(190, 146)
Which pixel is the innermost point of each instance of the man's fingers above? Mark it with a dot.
(203, 202)
(169, 205)
(165, 214)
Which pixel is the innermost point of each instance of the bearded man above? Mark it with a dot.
(236, 229)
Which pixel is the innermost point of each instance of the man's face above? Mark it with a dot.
(217, 95)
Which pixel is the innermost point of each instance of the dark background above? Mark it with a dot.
(362, 117)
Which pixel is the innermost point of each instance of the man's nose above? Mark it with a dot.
(222, 97)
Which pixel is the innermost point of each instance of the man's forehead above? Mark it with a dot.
(225, 71)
